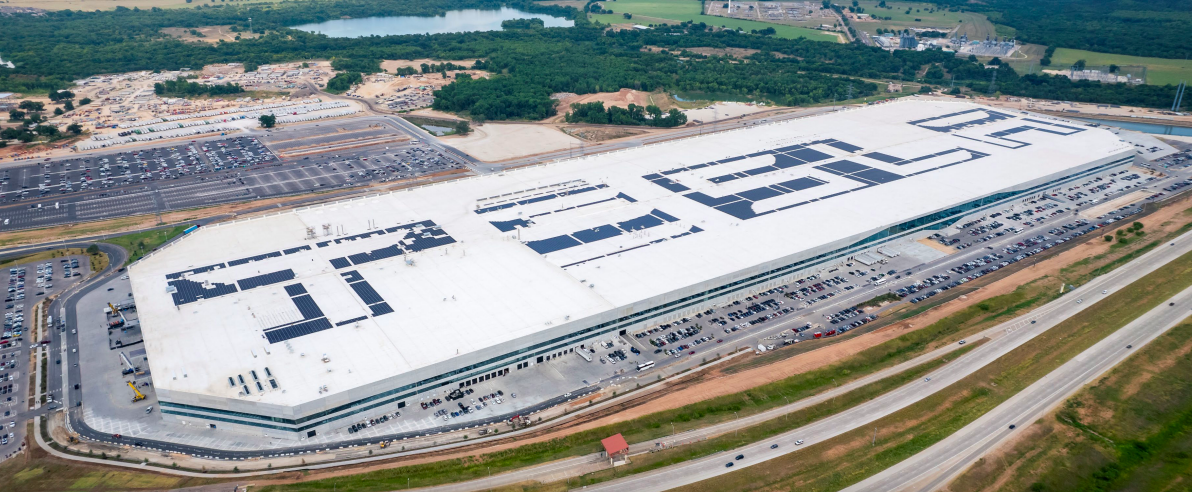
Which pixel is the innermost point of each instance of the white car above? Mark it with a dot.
(799, 442)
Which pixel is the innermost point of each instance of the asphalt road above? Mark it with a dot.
(1015, 333)
(934, 467)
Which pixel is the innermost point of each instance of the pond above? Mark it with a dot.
(438, 131)
(1157, 129)
(452, 21)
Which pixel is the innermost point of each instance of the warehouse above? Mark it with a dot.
(305, 321)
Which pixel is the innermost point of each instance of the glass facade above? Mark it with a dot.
(933, 221)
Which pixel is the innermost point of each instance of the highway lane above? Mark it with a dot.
(1016, 333)
(934, 467)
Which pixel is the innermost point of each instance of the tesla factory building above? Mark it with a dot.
(308, 320)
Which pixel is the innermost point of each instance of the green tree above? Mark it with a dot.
(93, 249)
(32, 106)
(46, 130)
(68, 105)
(84, 101)
(463, 128)
(58, 112)
(75, 128)
(15, 115)
(267, 120)
(1079, 65)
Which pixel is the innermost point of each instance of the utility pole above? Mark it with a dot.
(874, 437)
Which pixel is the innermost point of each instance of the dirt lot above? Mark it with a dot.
(501, 141)
(600, 134)
(210, 34)
(622, 98)
(734, 52)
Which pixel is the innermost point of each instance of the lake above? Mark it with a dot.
(1157, 129)
(453, 21)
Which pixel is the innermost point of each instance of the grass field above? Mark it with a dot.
(110, 4)
(138, 244)
(1159, 71)
(675, 11)
(1131, 430)
(974, 24)
(917, 427)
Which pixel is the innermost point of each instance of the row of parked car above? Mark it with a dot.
(370, 422)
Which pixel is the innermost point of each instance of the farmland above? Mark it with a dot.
(1159, 71)
(675, 11)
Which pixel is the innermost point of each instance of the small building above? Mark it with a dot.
(616, 449)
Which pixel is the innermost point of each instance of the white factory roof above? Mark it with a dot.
(562, 241)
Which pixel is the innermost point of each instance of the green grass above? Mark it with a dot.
(1159, 71)
(647, 12)
(138, 244)
(972, 23)
(1131, 430)
(877, 301)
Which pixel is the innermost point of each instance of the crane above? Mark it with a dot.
(135, 391)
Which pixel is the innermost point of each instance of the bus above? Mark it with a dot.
(645, 365)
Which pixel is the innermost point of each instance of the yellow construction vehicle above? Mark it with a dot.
(135, 391)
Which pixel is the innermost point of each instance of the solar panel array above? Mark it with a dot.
(188, 291)
(551, 244)
(536, 199)
(419, 236)
(366, 293)
(296, 330)
(207, 268)
(990, 117)
(266, 279)
(313, 320)
(250, 259)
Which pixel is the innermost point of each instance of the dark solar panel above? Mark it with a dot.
(758, 194)
(364, 235)
(671, 185)
(758, 154)
(626, 197)
(878, 156)
(297, 329)
(550, 245)
(189, 291)
(378, 254)
(350, 321)
(509, 225)
(597, 233)
(351, 276)
(366, 292)
(878, 175)
(842, 167)
(809, 155)
(493, 208)
(710, 200)
(643, 222)
(207, 268)
(731, 159)
(340, 263)
(254, 258)
(783, 161)
(652, 177)
(295, 250)
(266, 279)
(295, 289)
(789, 148)
(801, 183)
(663, 215)
(742, 210)
(380, 308)
(306, 305)
(760, 170)
(722, 179)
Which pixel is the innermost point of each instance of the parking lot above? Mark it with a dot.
(28, 283)
(212, 171)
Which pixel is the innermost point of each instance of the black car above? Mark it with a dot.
(740, 457)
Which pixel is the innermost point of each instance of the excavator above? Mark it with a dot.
(135, 391)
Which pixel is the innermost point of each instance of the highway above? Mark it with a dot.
(936, 466)
(1014, 333)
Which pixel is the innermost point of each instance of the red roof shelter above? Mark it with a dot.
(616, 448)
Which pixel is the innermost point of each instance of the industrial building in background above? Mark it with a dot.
(305, 321)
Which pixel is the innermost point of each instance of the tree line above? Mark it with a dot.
(186, 88)
(651, 115)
